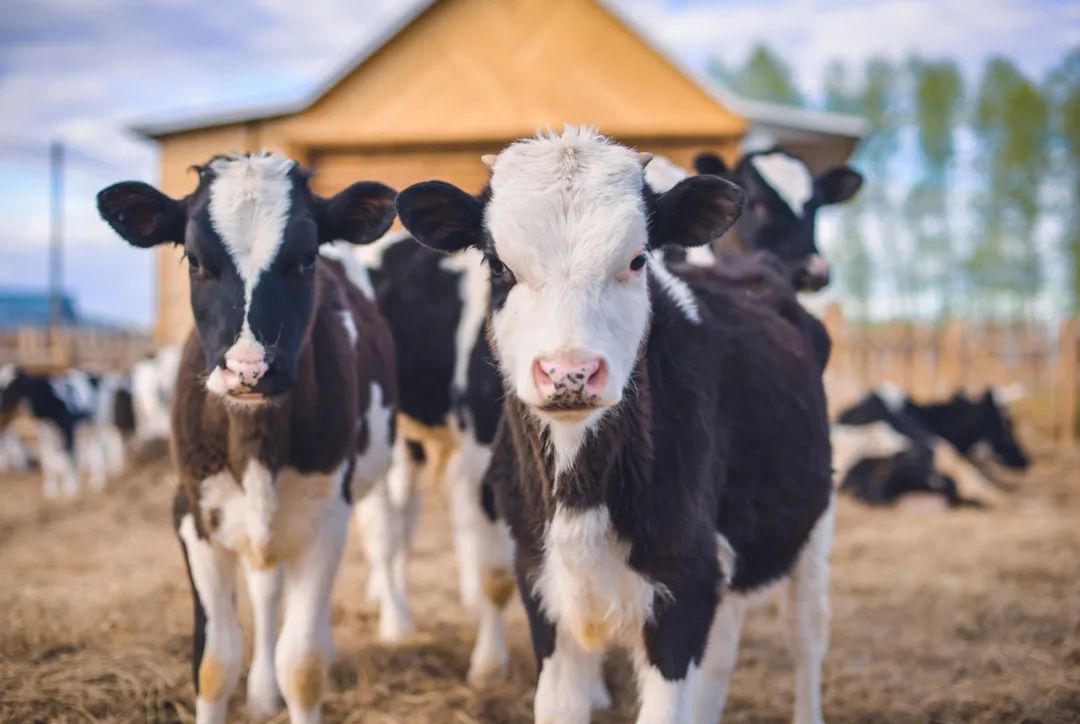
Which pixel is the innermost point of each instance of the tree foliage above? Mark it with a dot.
(762, 76)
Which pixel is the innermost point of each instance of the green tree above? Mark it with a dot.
(1012, 120)
(762, 76)
(937, 90)
(878, 100)
(1064, 90)
(849, 251)
(840, 96)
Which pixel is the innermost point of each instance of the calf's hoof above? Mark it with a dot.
(395, 625)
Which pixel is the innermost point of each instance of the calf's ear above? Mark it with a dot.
(441, 216)
(709, 162)
(838, 184)
(359, 215)
(695, 211)
(141, 214)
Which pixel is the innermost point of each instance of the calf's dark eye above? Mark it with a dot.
(497, 267)
(193, 263)
(637, 263)
(308, 264)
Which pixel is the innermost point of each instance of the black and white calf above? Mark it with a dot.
(450, 404)
(153, 382)
(782, 200)
(283, 413)
(664, 447)
(82, 420)
(888, 445)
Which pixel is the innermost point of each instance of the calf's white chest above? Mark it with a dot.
(585, 585)
(268, 517)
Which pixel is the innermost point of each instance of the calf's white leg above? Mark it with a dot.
(264, 589)
(306, 646)
(218, 662)
(805, 608)
(721, 655)
(381, 531)
(484, 553)
(564, 686)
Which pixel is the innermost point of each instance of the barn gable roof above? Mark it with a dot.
(778, 121)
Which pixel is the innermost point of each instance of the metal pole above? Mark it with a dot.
(56, 232)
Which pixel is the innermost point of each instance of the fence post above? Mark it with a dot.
(950, 361)
(1068, 364)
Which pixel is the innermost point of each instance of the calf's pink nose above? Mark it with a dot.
(248, 369)
(569, 373)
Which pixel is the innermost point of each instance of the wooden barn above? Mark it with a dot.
(454, 79)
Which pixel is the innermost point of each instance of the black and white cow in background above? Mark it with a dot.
(450, 404)
(283, 414)
(153, 381)
(82, 421)
(782, 201)
(888, 445)
(664, 448)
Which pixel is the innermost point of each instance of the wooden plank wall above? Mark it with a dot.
(45, 350)
(932, 362)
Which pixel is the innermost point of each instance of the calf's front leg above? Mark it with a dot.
(669, 659)
(264, 589)
(219, 644)
(306, 646)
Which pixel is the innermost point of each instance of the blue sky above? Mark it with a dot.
(82, 70)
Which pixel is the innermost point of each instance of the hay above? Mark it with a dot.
(962, 616)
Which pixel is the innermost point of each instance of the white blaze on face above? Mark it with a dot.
(249, 207)
(788, 176)
(567, 217)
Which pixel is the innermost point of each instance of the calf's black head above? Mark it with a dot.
(782, 202)
(991, 419)
(251, 232)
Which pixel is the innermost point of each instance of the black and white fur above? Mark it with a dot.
(82, 421)
(664, 448)
(888, 445)
(283, 412)
(451, 395)
(783, 198)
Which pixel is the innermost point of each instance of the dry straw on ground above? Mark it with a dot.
(937, 616)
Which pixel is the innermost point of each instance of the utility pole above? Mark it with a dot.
(56, 234)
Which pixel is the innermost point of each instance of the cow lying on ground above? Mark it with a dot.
(664, 436)
(82, 420)
(783, 199)
(888, 445)
(283, 414)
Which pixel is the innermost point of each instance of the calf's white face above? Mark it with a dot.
(566, 225)
(567, 220)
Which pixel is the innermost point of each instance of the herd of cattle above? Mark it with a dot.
(602, 354)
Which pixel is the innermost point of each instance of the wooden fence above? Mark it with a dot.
(97, 350)
(935, 361)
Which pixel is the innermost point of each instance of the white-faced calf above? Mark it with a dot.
(664, 437)
(282, 415)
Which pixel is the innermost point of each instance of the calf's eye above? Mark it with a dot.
(308, 264)
(637, 263)
(497, 267)
(194, 267)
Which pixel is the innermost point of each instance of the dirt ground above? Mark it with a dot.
(967, 616)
